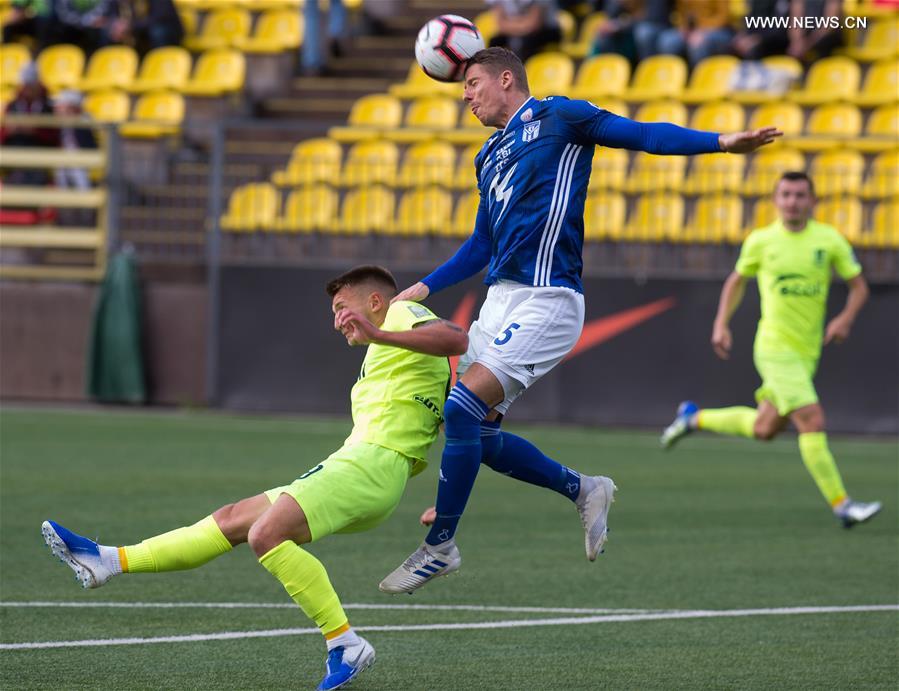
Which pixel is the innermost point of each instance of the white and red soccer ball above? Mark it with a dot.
(444, 45)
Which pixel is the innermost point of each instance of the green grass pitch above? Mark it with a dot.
(718, 524)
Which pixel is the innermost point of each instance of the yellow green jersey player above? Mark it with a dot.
(397, 406)
(792, 261)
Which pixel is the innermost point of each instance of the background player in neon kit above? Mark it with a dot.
(532, 177)
(352, 490)
(793, 259)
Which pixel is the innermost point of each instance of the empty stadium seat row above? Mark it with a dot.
(658, 216)
(277, 29)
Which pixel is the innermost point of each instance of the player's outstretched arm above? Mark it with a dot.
(839, 327)
(731, 297)
(433, 337)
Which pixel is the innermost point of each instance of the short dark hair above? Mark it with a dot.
(367, 273)
(794, 175)
(496, 60)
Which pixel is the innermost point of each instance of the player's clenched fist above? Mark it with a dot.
(721, 341)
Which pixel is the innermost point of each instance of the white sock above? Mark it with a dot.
(109, 557)
(347, 639)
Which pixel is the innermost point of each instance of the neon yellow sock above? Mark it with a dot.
(306, 581)
(819, 461)
(737, 420)
(184, 548)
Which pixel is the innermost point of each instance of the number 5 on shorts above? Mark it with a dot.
(507, 334)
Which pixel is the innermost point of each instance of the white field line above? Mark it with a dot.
(290, 605)
(509, 624)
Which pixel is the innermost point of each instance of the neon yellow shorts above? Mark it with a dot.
(786, 381)
(352, 490)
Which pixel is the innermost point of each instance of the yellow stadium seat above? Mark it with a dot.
(604, 216)
(584, 44)
(766, 168)
(884, 227)
(469, 131)
(222, 28)
(609, 170)
(13, 57)
(368, 116)
(418, 84)
(567, 25)
(716, 218)
(424, 211)
(252, 207)
(710, 79)
(613, 105)
(764, 213)
(830, 126)
(217, 73)
(601, 76)
(464, 216)
(883, 178)
(7, 94)
(313, 160)
(881, 40)
(715, 173)
(308, 209)
(781, 63)
(655, 173)
(486, 23)
(787, 117)
(844, 214)
(881, 84)
(724, 116)
(837, 172)
(829, 80)
(112, 67)
(550, 74)
(60, 66)
(156, 114)
(464, 178)
(882, 130)
(108, 106)
(427, 163)
(660, 76)
(370, 162)
(367, 209)
(163, 68)
(426, 118)
(657, 217)
(276, 31)
(663, 111)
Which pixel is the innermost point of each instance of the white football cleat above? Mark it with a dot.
(79, 553)
(423, 565)
(593, 506)
(852, 512)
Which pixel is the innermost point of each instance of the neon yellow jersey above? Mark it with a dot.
(794, 271)
(399, 396)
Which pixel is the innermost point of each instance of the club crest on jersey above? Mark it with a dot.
(527, 115)
(531, 131)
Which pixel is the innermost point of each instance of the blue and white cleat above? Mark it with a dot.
(345, 664)
(78, 553)
(593, 504)
(423, 565)
(852, 512)
(680, 427)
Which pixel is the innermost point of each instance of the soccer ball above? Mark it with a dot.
(444, 45)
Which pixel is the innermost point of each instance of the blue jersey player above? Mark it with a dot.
(532, 177)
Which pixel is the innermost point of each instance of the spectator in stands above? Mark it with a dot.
(632, 27)
(757, 42)
(31, 99)
(311, 52)
(90, 24)
(151, 24)
(810, 44)
(525, 27)
(67, 104)
(703, 30)
(29, 19)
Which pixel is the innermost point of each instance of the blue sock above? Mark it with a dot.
(518, 458)
(461, 460)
